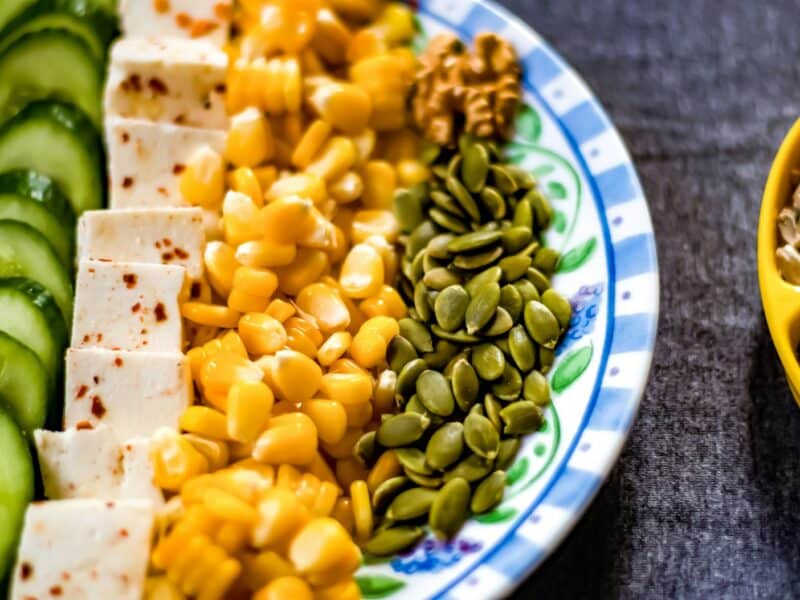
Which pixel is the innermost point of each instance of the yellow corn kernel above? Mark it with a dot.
(161, 588)
(290, 438)
(367, 223)
(388, 255)
(258, 282)
(342, 590)
(412, 172)
(220, 262)
(387, 303)
(265, 253)
(202, 183)
(250, 140)
(345, 106)
(321, 470)
(325, 499)
(322, 236)
(280, 516)
(330, 418)
(296, 377)
(368, 349)
(261, 333)
(259, 569)
(311, 143)
(195, 551)
(232, 537)
(210, 314)
(383, 396)
(362, 272)
(325, 305)
(204, 421)
(386, 467)
(348, 188)
(347, 388)
(307, 490)
(304, 323)
(365, 43)
(174, 460)
(357, 10)
(362, 509)
(331, 37)
(334, 347)
(300, 342)
(196, 520)
(266, 176)
(385, 327)
(231, 342)
(349, 470)
(249, 410)
(215, 451)
(241, 301)
(308, 266)
(379, 185)
(284, 588)
(335, 159)
(324, 552)
(229, 507)
(244, 181)
(347, 365)
(280, 310)
(302, 185)
(220, 579)
(265, 472)
(343, 512)
(395, 24)
(344, 447)
(364, 143)
(358, 415)
(288, 219)
(288, 477)
(223, 369)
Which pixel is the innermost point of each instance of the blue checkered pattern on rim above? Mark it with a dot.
(611, 408)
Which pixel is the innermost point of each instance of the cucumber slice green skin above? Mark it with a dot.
(57, 140)
(24, 384)
(16, 488)
(99, 15)
(31, 198)
(50, 64)
(60, 22)
(29, 314)
(10, 10)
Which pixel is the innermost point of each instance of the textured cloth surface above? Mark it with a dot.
(705, 501)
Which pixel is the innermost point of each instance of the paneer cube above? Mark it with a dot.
(202, 20)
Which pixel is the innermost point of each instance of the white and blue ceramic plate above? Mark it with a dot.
(609, 270)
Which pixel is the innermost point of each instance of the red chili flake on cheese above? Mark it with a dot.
(222, 10)
(96, 379)
(167, 242)
(56, 590)
(183, 20)
(25, 570)
(136, 82)
(65, 576)
(109, 504)
(82, 391)
(161, 6)
(181, 253)
(99, 337)
(130, 280)
(86, 339)
(126, 137)
(158, 87)
(136, 307)
(98, 409)
(143, 332)
(178, 168)
(220, 88)
(123, 533)
(118, 362)
(202, 27)
(167, 256)
(127, 182)
(195, 290)
(161, 312)
(180, 119)
(81, 425)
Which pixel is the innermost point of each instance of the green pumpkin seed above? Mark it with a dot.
(433, 391)
(494, 202)
(490, 275)
(477, 409)
(451, 307)
(502, 343)
(521, 417)
(429, 152)
(489, 493)
(521, 177)
(387, 490)
(437, 247)
(481, 436)
(541, 324)
(475, 167)
(501, 323)
(439, 278)
(445, 446)
(445, 351)
(393, 540)
(546, 259)
(463, 197)
(414, 459)
(511, 301)
(446, 202)
(419, 238)
(538, 279)
(559, 306)
(465, 384)
(465, 140)
(408, 375)
(523, 215)
(399, 353)
(429, 263)
(546, 358)
(476, 240)
(402, 430)
(459, 337)
(516, 238)
(447, 221)
(542, 210)
(408, 210)
(509, 386)
(416, 333)
(448, 370)
(366, 448)
(472, 468)
(488, 361)
(522, 349)
(503, 180)
(527, 290)
(415, 406)
(470, 262)
(536, 389)
(450, 508)
(453, 166)
(417, 269)
(427, 481)
(482, 307)
(514, 266)
(506, 453)
(421, 305)
(440, 171)
(492, 407)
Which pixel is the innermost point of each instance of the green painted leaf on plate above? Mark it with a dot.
(498, 515)
(556, 190)
(543, 170)
(529, 124)
(517, 471)
(572, 367)
(378, 586)
(559, 221)
(577, 256)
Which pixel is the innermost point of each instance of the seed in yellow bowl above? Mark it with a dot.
(289, 438)
(220, 262)
(174, 460)
(330, 418)
(281, 516)
(288, 219)
(362, 273)
(324, 552)
(308, 266)
(261, 333)
(250, 139)
(347, 388)
(265, 253)
(345, 106)
(367, 223)
(296, 377)
(249, 409)
(325, 305)
(202, 183)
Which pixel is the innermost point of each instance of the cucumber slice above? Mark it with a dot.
(60, 22)
(56, 140)
(24, 384)
(34, 199)
(16, 488)
(12, 9)
(24, 252)
(50, 64)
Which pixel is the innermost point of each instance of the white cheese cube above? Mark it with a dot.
(84, 550)
(146, 159)
(202, 20)
(93, 463)
(134, 393)
(147, 235)
(169, 81)
(128, 306)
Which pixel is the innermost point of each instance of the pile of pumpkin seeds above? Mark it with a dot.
(471, 358)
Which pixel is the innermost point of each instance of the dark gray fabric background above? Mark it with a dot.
(705, 501)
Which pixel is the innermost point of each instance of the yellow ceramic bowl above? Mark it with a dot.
(781, 300)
